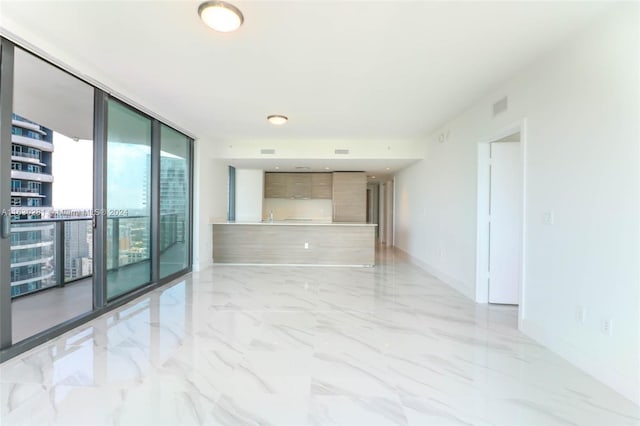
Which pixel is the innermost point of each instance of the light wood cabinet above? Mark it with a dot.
(349, 197)
(301, 186)
(321, 185)
(275, 185)
(298, 185)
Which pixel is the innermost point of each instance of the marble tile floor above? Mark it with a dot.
(251, 345)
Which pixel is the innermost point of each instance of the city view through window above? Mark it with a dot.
(59, 193)
(40, 196)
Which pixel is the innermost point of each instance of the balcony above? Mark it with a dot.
(33, 143)
(51, 278)
(26, 157)
(40, 249)
(26, 191)
(36, 177)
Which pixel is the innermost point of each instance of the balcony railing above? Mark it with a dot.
(26, 155)
(25, 190)
(50, 253)
(42, 249)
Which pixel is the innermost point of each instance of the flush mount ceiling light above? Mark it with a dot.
(277, 120)
(221, 16)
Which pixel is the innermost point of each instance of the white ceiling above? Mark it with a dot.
(51, 97)
(338, 69)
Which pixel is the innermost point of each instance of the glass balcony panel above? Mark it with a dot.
(33, 257)
(174, 201)
(128, 200)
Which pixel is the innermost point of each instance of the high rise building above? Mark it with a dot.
(32, 243)
(174, 200)
(78, 238)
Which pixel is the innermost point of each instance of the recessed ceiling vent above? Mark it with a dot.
(267, 151)
(341, 151)
(500, 106)
(303, 168)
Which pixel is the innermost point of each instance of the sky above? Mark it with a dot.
(72, 168)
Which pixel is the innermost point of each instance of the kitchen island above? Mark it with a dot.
(294, 243)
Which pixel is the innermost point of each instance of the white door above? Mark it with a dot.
(505, 224)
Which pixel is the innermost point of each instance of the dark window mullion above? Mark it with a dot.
(155, 201)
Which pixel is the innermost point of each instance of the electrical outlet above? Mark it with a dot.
(306, 246)
(548, 217)
(607, 327)
(581, 314)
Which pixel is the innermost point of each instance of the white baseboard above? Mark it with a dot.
(452, 282)
(601, 369)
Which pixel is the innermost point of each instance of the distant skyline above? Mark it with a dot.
(72, 170)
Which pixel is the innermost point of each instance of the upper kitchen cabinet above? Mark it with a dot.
(275, 185)
(321, 185)
(301, 186)
(349, 197)
(298, 185)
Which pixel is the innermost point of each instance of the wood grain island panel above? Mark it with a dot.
(281, 243)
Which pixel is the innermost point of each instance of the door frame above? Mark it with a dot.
(482, 209)
(6, 109)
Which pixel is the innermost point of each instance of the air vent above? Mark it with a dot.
(341, 151)
(303, 168)
(500, 106)
(267, 151)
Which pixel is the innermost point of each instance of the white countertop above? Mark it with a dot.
(295, 223)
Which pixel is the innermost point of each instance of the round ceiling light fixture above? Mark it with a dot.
(221, 16)
(277, 119)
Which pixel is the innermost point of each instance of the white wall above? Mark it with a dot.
(321, 149)
(581, 106)
(210, 198)
(249, 190)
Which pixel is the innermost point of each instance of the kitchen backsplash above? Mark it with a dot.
(286, 209)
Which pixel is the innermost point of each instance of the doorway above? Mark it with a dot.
(51, 233)
(505, 221)
(500, 251)
(373, 208)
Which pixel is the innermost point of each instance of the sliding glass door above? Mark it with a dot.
(128, 200)
(52, 143)
(95, 201)
(174, 201)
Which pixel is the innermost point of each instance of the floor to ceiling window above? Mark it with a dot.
(128, 200)
(51, 196)
(95, 201)
(174, 201)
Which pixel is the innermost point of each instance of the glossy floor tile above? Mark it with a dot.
(251, 345)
